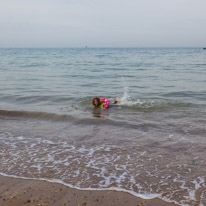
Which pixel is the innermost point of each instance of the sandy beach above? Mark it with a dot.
(20, 192)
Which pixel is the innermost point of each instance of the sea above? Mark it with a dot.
(152, 144)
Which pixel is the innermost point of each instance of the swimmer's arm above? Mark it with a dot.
(117, 101)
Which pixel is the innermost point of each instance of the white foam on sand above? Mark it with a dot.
(143, 196)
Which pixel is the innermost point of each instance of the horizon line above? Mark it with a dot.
(86, 47)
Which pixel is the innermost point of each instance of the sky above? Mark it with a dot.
(102, 23)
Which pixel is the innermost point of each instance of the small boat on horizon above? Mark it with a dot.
(204, 48)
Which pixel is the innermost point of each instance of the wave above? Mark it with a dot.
(35, 115)
(63, 103)
(143, 196)
(142, 104)
(34, 99)
(154, 105)
(96, 119)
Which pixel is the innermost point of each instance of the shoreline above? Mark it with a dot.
(16, 191)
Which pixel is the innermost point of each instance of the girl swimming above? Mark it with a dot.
(103, 103)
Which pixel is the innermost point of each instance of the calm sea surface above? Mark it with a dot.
(153, 144)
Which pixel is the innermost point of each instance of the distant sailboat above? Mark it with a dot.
(86, 47)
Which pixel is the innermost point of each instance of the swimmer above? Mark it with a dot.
(103, 103)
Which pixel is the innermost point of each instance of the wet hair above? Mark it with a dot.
(98, 100)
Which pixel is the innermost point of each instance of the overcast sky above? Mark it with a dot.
(102, 23)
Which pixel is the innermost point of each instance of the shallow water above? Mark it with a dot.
(153, 143)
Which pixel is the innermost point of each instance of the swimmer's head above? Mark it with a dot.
(96, 102)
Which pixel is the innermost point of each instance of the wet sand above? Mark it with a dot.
(20, 192)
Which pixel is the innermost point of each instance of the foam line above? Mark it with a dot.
(143, 196)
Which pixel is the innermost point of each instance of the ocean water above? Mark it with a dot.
(152, 144)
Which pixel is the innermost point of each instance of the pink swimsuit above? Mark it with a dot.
(106, 102)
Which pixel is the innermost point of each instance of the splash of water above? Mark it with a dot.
(126, 93)
(126, 99)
